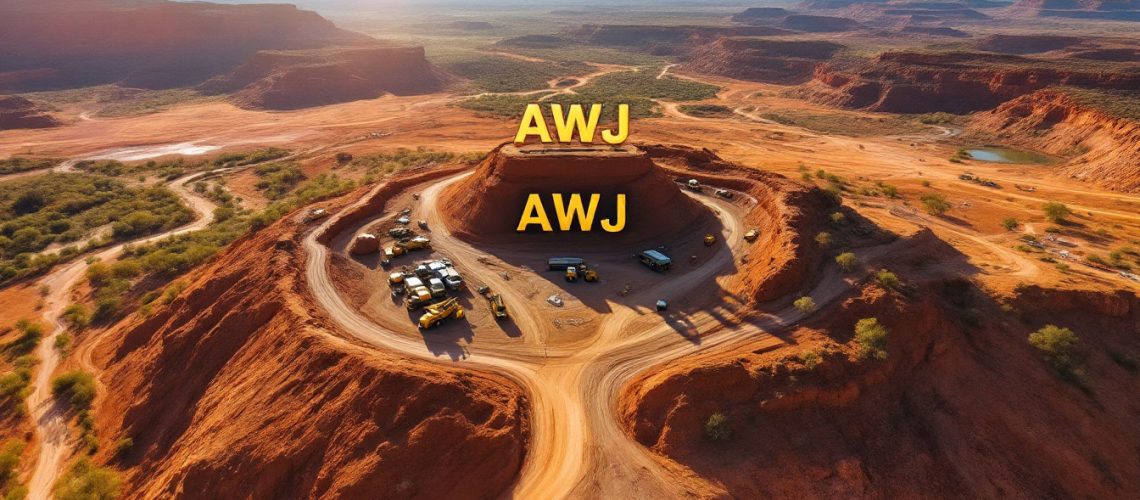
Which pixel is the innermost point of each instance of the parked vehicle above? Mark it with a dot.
(655, 260)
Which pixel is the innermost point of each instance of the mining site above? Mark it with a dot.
(818, 249)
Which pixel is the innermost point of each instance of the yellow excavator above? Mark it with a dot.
(440, 312)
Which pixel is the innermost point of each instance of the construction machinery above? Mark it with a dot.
(571, 274)
(440, 312)
(588, 275)
(694, 185)
(498, 308)
(417, 297)
(561, 263)
(710, 240)
(751, 235)
(402, 247)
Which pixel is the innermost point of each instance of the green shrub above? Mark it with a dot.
(847, 261)
(888, 280)
(1009, 223)
(871, 338)
(804, 304)
(76, 387)
(810, 360)
(1056, 212)
(76, 316)
(10, 453)
(823, 239)
(84, 480)
(935, 203)
(717, 427)
(1059, 346)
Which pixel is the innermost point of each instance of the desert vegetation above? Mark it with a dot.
(18, 164)
(63, 209)
(501, 74)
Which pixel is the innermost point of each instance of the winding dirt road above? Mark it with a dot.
(49, 417)
(578, 447)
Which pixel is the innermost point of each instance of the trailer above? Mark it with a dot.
(561, 263)
(655, 260)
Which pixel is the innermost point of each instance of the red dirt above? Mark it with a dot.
(957, 410)
(487, 205)
(1107, 147)
(240, 385)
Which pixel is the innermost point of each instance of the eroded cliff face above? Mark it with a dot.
(958, 409)
(957, 82)
(241, 385)
(18, 112)
(1103, 148)
(298, 79)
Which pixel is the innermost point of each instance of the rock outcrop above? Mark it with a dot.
(240, 385)
(17, 112)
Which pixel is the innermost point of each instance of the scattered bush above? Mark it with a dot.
(810, 360)
(1059, 345)
(837, 218)
(872, 339)
(804, 304)
(84, 480)
(847, 261)
(823, 239)
(935, 203)
(717, 427)
(77, 387)
(888, 280)
(1009, 223)
(10, 454)
(1056, 212)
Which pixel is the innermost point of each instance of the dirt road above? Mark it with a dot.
(578, 447)
(49, 417)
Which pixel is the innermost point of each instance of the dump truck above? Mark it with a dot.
(440, 312)
(655, 260)
(710, 240)
(694, 185)
(571, 274)
(417, 243)
(587, 274)
(417, 297)
(498, 308)
(561, 263)
(401, 233)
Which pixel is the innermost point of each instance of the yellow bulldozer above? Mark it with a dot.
(441, 311)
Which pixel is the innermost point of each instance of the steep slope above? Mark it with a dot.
(775, 61)
(1105, 148)
(487, 205)
(958, 82)
(957, 410)
(299, 79)
(238, 384)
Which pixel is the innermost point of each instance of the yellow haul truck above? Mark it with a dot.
(440, 312)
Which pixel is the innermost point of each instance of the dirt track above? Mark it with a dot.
(49, 416)
(577, 445)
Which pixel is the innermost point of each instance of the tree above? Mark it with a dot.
(935, 203)
(847, 261)
(1009, 223)
(1056, 212)
(804, 304)
(872, 339)
(717, 428)
(823, 239)
(1058, 344)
